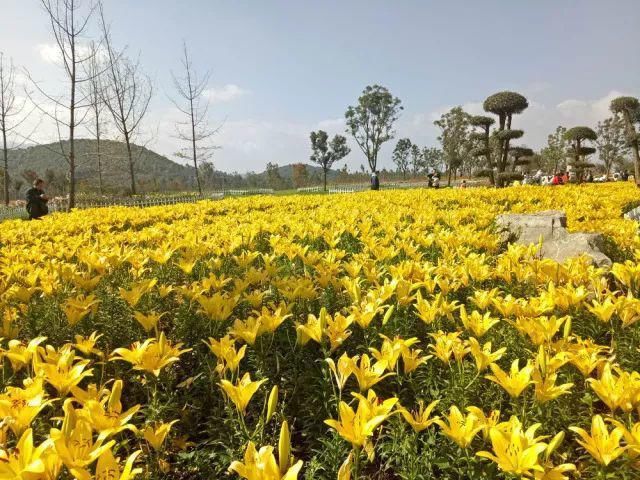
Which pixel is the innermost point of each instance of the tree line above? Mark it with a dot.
(483, 145)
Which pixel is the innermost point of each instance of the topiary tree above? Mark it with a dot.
(482, 137)
(578, 150)
(521, 156)
(505, 105)
(629, 108)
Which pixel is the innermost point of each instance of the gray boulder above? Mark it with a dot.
(550, 228)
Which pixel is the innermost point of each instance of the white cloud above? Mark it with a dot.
(49, 52)
(226, 93)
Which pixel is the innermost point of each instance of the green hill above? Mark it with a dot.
(153, 171)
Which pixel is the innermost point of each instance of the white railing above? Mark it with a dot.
(309, 189)
(62, 205)
(250, 191)
(359, 187)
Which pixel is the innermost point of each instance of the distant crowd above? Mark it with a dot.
(571, 176)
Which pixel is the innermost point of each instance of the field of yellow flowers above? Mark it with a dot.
(380, 335)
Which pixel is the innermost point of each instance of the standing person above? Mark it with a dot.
(556, 180)
(463, 184)
(37, 200)
(565, 178)
(430, 180)
(375, 181)
(436, 181)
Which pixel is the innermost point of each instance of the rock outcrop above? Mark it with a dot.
(550, 227)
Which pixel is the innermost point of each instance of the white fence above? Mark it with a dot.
(151, 201)
(383, 186)
(309, 189)
(19, 211)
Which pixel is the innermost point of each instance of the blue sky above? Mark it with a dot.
(283, 68)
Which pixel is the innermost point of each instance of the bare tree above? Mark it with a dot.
(95, 69)
(127, 93)
(69, 20)
(12, 115)
(195, 129)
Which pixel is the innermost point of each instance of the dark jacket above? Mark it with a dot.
(36, 206)
(375, 182)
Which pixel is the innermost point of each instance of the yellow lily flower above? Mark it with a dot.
(428, 311)
(344, 472)
(448, 344)
(628, 309)
(458, 427)
(156, 434)
(108, 467)
(546, 388)
(357, 426)
(225, 351)
(313, 329)
(21, 355)
(540, 329)
(476, 322)
(261, 465)
(241, 393)
(271, 320)
(342, 371)
(63, 374)
(483, 299)
(487, 422)
(148, 321)
(106, 416)
(152, 355)
(79, 307)
(219, 306)
(136, 291)
(420, 419)
(587, 356)
(515, 381)
(87, 345)
(337, 330)
(247, 330)
(367, 374)
(24, 461)
(20, 406)
(603, 310)
(74, 443)
(391, 350)
(602, 445)
(615, 391)
(515, 451)
(483, 356)
(631, 436)
(411, 359)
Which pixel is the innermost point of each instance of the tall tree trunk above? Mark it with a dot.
(324, 174)
(132, 174)
(6, 164)
(634, 147)
(99, 153)
(72, 150)
(193, 144)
